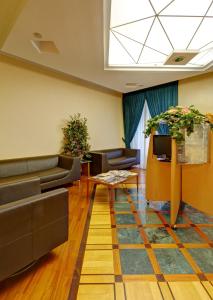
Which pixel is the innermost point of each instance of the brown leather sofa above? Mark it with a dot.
(113, 159)
(52, 170)
(31, 223)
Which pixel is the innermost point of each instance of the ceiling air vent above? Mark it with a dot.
(180, 57)
(45, 46)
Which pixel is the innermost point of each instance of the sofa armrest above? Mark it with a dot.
(72, 164)
(99, 162)
(16, 190)
(30, 228)
(133, 153)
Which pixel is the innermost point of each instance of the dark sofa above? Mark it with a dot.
(113, 159)
(52, 170)
(31, 223)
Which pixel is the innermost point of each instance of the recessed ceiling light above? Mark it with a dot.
(37, 35)
(133, 84)
(45, 46)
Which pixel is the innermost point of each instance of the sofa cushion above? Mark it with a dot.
(114, 154)
(13, 167)
(45, 176)
(121, 160)
(42, 163)
(51, 174)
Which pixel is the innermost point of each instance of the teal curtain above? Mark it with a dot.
(133, 104)
(160, 98)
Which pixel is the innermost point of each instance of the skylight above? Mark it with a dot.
(161, 33)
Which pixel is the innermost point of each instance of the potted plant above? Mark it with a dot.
(76, 136)
(179, 120)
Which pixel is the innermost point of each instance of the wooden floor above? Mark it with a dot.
(51, 277)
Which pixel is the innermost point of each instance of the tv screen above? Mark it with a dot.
(162, 146)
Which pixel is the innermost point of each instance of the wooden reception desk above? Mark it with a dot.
(174, 182)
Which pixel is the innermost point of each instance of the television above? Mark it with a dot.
(162, 147)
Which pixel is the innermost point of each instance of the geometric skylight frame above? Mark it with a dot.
(144, 33)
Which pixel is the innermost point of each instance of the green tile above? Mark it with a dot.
(208, 231)
(149, 218)
(135, 261)
(172, 261)
(188, 235)
(200, 218)
(158, 235)
(122, 207)
(180, 218)
(129, 236)
(204, 258)
(125, 219)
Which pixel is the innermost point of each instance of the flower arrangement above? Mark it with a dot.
(178, 118)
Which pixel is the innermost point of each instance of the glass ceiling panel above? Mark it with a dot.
(160, 4)
(187, 7)
(131, 11)
(146, 32)
(202, 36)
(118, 56)
(158, 40)
(137, 31)
(150, 56)
(133, 48)
(210, 11)
(180, 29)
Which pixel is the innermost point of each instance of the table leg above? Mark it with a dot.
(137, 182)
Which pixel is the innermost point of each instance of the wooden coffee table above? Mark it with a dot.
(110, 185)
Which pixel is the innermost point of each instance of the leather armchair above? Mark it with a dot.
(31, 224)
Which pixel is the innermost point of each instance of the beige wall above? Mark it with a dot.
(197, 91)
(34, 106)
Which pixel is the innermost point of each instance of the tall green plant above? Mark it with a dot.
(76, 136)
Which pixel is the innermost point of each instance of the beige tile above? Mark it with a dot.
(98, 262)
(96, 292)
(99, 236)
(188, 290)
(143, 290)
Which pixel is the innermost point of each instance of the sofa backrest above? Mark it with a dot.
(114, 153)
(19, 166)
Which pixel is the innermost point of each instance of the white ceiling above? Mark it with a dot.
(76, 27)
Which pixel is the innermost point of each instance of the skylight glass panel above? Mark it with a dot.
(180, 29)
(137, 31)
(187, 8)
(117, 54)
(158, 40)
(131, 47)
(150, 33)
(203, 34)
(125, 11)
(159, 5)
(210, 11)
(152, 57)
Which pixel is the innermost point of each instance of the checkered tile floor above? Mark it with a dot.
(129, 240)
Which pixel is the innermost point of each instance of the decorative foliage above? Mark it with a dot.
(179, 118)
(76, 136)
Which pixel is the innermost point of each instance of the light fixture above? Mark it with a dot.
(165, 34)
(45, 46)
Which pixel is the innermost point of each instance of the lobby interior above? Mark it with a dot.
(109, 242)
